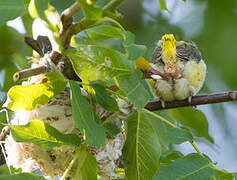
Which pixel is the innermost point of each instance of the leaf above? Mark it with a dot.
(194, 119)
(84, 117)
(92, 62)
(224, 175)
(105, 100)
(104, 31)
(43, 135)
(142, 148)
(90, 12)
(132, 86)
(87, 166)
(192, 166)
(27, 97)
(179, 135)
(133, 50)
(41, 6)
(168, 134)
(171, 157)
(25, 176)
(10, 9)
(162, 5)
(111, 129)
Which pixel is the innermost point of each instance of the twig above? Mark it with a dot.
(112, 5)
(66, 24)
(29, 72)
(68, 29)
(196, 100)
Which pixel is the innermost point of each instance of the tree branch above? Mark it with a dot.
(66, 24)
(196, 100)
(68, 29)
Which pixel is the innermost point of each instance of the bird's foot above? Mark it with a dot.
(162, 103)
(190, 99)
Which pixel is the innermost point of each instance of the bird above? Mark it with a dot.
(177, 70)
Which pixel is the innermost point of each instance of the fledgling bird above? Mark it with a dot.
(180, 67)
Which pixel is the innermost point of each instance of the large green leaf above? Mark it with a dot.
(167, 132)
(25, 176)
(43, 135)
(190, 167)
(104, 31)
(27, 97)
(192, 118)
(103, 98)
(171, 156)
(142, 148)
(133, 50)
(87, 166)
(84, 117)
(98, 63)
(132, 86)
(41, 6)
(10, 9)
(89, 11)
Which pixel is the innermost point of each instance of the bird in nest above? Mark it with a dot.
(177, 71)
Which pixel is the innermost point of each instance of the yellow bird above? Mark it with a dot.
(180, 68)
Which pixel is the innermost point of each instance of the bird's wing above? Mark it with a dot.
(156, 56)
(187, 51)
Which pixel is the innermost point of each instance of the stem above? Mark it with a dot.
(69, 12)
(195, 147)
(112, 5)
(70, 166)
(161, 118)
(29, 72)
(68, 29)
(196, 100)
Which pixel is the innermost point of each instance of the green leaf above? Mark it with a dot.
(111, 129)
(179, 135)
(10, 9)
(103, 98)
(87, 166)
(25, 176)
(167, 132)
(104, 31)
(133, 50)
(171, 157)
(162, 5)
(84, 117)
(132, 86)
(98, 63)
(41, 6)
(27, 97)
(142, 148)
(43, 135)
(90, 12)
(194, 119)
(224, 175)
(190, 167)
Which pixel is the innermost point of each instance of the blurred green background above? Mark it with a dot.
(211, 24)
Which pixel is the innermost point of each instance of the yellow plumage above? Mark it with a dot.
(181, 62)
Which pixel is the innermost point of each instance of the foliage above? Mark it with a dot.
(103, 56)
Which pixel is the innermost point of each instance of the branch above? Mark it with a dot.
(29, 72)
(196, 100)
(66, 24)
(68, 29)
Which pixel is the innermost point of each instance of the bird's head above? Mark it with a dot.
(169, 52)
